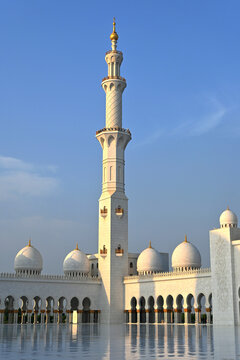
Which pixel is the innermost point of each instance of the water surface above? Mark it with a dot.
(93, 341)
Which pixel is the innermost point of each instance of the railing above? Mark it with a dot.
(185, 273)
(117, 128)
(119, 251)
(114, 77)
(114, 52)
(103, 251)
(103, 211)
(49, 277)
(119, 211)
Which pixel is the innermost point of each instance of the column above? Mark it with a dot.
(79, 316)
(55, 316)
(23, 318)
(138, 312)
(177, 316)
(42, 312)
(147, 316)
(59, 316)
(168, 317)
(68, 316)
(48, 316)
(197, 316)
(208, 313)
(2, 316)
(35, 318)
(15, 316)
(187, 316)
(29, 316)
(91, 315)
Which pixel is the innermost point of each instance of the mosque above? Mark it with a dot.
(113, 285)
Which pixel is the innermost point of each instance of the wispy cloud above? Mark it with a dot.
(19, 178)
(197, 126)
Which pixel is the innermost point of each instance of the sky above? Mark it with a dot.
(182, 105)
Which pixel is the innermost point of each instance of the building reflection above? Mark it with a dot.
(121, 341)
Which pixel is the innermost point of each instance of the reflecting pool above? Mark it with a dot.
(93, 341)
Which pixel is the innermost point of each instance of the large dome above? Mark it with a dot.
(76, 263)
(149, 261)
(228, 219)
(28, 261)
(186, 257)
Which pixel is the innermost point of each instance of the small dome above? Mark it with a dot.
(186, 255)
(28, 260)
(76, 263)
(150, 261)
(228, 219)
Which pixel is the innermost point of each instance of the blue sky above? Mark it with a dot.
(182, 105)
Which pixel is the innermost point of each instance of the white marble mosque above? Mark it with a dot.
(113, 285)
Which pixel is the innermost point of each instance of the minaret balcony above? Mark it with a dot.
(114, 77)
(117, 128)
(103, 252)
(119, 252)
(103, 212)
(119, 211)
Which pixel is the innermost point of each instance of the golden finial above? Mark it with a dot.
(150, 244)
(228, 208)
(29, 243)
(77, 247)
(114, 35)
(185, 238)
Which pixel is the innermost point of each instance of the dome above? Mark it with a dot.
(150, 261)
(228, 219)
(186, 256)
(28, 261)
(76, 263)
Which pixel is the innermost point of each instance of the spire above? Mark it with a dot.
(29, 242)
(114, 36)
(185, 238)
(150, 244)
(77, 247)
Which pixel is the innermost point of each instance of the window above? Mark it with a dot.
(131, 265)
(92, 266)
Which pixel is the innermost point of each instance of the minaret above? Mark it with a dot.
(113, 203)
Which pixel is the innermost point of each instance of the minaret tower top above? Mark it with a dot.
(114, 36)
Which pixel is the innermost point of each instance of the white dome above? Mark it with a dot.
(28, 259)
(76, 262)
(186, 255)
(228, 219)
(150, 260)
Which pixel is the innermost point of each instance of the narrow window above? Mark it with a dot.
(110, 173)
(131, 265)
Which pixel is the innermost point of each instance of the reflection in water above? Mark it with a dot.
(118, 342)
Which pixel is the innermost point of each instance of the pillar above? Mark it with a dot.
(23, 318)
(79, 316)
(147, 316)
(2, 316)
(48, 316)
(208, 313)
(15, 316)
(187, 316)
(55, 316)
(35, 318)
(68, 318)
(168, 316)
(29, 316)
(177, 316)
(197, 316)
(91, 315)
(42, 312)
(138, 312)
(59, 316)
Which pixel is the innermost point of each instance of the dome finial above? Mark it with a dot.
(150, 244)
(228, 208)
(29, 242)
(114, 35)
(77, 247)
(185, 238)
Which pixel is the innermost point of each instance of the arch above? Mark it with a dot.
(49, 309)
(131, 265)
(169, 302)
(160, 303)
(111, 86)
(74, 303)
(151, 311)
(23, 305)
(37, 304)
(120, 141)
(9, 307)
(169, 309)
(86, 303)
(62, 307)
(201, 302)
(190, 307)
(133, 304)
(110, 140)
(102, 142)
(142, 303)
